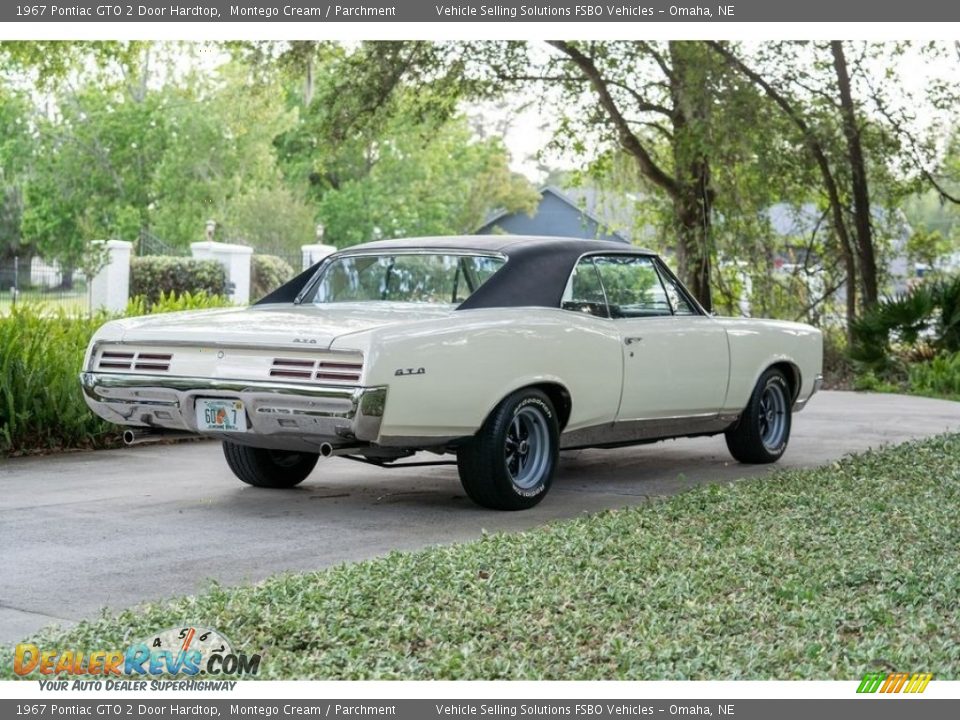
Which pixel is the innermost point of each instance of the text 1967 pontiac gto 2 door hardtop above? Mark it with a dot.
(501, 350)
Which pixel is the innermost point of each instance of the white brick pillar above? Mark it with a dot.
(235, 260)
(110, 288)
(315, 253)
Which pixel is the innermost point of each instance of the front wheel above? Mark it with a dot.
(510, 463)
(268, 468)
(763, 431)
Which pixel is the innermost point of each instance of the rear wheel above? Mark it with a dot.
(763, 431)
(510, 463)
(268, 468)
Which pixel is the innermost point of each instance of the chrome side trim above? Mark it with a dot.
(817, 385)
(638, 431)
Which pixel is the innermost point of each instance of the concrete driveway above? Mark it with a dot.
(81, 531)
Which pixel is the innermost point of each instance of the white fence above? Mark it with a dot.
(110, 289)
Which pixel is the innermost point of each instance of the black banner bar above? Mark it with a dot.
(420, 11)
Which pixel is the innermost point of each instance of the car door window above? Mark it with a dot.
(632, 286)
(678, 302)
(584, 293)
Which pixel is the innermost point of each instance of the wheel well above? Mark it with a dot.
(561, 401)
(793, 376)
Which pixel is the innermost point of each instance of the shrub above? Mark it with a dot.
(41, 354)
(41, 405)
(838, 371)
(267, 273)
(869, 382)
(175, 303)
(912, 326)
(152, 275)
(939, 377)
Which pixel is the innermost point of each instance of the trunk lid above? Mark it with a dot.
(305, 326)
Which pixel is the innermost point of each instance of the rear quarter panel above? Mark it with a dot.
(475, 358)
(755, 345)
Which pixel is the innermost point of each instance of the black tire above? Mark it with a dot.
(763, 431)
(268, 468)
(510, 463)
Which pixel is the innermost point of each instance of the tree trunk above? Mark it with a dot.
(858, 179)
(691, 206)
(692, 200)
(850, 268)
(693, 257)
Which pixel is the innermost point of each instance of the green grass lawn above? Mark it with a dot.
(821, 574)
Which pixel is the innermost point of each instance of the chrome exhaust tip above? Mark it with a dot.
(145, 436)
(326, 450)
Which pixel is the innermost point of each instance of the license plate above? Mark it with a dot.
(221, 415)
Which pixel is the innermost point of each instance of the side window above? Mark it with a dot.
(584, 292)
(677, 301)
(633, 287)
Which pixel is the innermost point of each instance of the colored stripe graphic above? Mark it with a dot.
(871, 682)
(894, 682)
(918, 683)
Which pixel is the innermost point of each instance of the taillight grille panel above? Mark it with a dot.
(234, 363)
(316, 370)
(135, 361)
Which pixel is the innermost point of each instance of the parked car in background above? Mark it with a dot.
(500, 350)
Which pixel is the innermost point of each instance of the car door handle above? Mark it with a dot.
(632, 340)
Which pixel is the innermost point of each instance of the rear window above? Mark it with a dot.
(436, 278)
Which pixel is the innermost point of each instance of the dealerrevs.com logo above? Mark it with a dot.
(181, 651)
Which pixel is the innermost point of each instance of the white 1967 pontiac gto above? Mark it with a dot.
(500, 350)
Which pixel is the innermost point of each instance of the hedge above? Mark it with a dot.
(152, 275)
(267, 273)
(41, 404)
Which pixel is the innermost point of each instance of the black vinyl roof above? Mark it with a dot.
(506, 244)
(535, 274)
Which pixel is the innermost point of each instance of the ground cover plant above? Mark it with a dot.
(823, 574)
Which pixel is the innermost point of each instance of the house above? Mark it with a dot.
(558, 214)
(798, 224)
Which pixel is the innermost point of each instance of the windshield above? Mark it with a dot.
(403, 277)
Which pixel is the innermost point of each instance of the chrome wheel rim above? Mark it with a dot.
(773, 416)
(527, 447)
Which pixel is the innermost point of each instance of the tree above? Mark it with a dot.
(53, 61)
(144, 147)
(16, 152)
(860, 190)
(383, 151)
(412, 185)
(858, 133)
(656, 103)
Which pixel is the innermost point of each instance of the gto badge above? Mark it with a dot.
(312, 341)
(410, 371)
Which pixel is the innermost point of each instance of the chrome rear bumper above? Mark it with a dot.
(278, 414)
